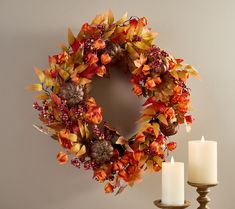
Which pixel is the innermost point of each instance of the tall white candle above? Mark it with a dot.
(202, 161)
(173, 183)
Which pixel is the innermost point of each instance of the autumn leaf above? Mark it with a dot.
(110, 17)
(40, 74)
(122, 19)
(35, 87)
(162, 118)
(192, 71)
(71, 37)
(82, 151)
(84, 81)
(75, 148)
(65, 75)
(55, 98)
(42, 96)
(72, 137)
(81, 68)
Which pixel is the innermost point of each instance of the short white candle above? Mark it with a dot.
(172, 183)
(202, 161)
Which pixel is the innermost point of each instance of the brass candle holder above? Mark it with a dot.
(202, 190)
(159, 204)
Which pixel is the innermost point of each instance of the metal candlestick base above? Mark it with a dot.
(202, 190)
(159, 204)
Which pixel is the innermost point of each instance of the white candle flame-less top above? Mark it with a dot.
(172, 183)
(202, 162)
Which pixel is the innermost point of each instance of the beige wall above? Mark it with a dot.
(202, 32)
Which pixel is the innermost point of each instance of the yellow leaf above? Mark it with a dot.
(40, 74)
(145, 118)
(158, 160)
(82, 151)
(72, 137)
(149, 36)
(141, 45)
(143, 160)
(35, 87)
(149, 165)
(139, 28)
(70, 36)
(42, 96)
(132, 52)
(48, 81)
(87, 132)
(64, 74)
(122, 20)
(108, 33)
(110, 17)
(162, 119)
(81, 68)
(192, 71)
(98, 19)
(174, 74)
(75, 148)
(156, 128)
(130, 33)
(84, 81)
(81, 128)
(148, 111)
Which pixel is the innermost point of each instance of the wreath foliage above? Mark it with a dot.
(74, 119)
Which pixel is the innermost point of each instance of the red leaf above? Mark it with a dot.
(89, 72)
(75, 45)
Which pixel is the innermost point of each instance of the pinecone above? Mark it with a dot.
(72, 93)
(170, 129)
(114, 50)
(101, 151)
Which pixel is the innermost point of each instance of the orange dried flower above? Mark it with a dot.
(137, 90)
(101, 71)
(146, 69)
(62, 57)
(171, 146)
(100, 175)
(140, 137)
(108, 188)
(157, 80)
(92, 58)
(94, 115)
(150, 83)
(99, 44)
(105, 59)
(62, 158)
(169, 113)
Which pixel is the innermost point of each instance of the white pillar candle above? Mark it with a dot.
(202, 162)
(172, 183)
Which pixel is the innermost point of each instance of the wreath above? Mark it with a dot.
(74, 119)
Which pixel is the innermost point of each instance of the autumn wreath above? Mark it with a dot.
(73, 118)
